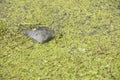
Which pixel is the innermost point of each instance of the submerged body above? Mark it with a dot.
(41, 35)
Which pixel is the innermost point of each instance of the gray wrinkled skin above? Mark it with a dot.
(41, 35)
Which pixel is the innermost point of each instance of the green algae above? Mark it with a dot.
(87, 46)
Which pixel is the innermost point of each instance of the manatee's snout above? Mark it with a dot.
(26, 32)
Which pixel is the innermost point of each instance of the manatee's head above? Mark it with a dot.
(41, 35)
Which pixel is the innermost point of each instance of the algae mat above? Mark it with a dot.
(86, 47)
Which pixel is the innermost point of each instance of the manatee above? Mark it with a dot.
(41, 35)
